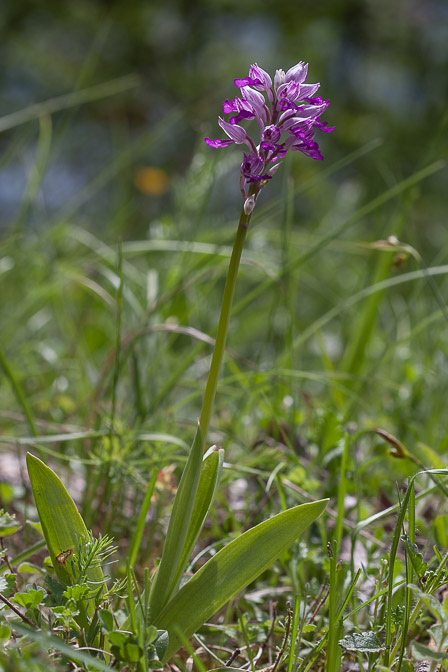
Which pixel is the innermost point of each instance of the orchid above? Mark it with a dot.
(287, 106)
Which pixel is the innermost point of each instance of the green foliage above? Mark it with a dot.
(8, 584)
(63, 527)
(173, 560)
(337, 328)
(8, 524)
(362, 642)
(33, 596)
(232, 569)
(416, 558)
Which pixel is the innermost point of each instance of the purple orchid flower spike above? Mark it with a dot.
(291, 110)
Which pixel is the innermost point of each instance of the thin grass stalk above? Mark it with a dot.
(416, 610)
(36, 173)
(342, 491)
(294, 632)
(331, 661)
(246, 640)
(138, 533)
(392, 557)
(409, 578)
(117, 340)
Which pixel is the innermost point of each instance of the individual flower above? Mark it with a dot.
(287, 113)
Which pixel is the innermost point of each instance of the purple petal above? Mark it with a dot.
(247, 81)
(315, 101)
(229, 106)
(235, 132)
(261, 75)
(257, 178)
(297, 73)
(288, 91)
(252, 164)
(323, 126)
(216, 143)
(296, 123)
(271, 133)
(255, 98)
(306, 90)
(242, 115)
(289, 105)
(271, 146)
(274, 169)
(312, 111)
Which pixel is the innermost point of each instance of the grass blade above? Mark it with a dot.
(138, 533)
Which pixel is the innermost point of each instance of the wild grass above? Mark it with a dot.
(338, 329)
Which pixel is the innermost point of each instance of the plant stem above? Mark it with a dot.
(223, 325)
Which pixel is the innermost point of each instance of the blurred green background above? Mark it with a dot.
(104, 110)
(382, 64)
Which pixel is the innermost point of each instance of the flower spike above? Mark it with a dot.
(291, 110)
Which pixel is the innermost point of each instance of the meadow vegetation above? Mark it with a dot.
(333, 387)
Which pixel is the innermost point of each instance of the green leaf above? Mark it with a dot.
(61, 522)
(208, 485)
(47, 642)
(124, 646)
(106, 620)
(28, 567)
(441, 530)
(416, 558)
(438, 634)
(364, 642)
(56, 589)
(232, 569)
(32, 598)
(76, 592)
(422, 652)
(161, 643)
(8, 524)
(431, 602)
(35, 526)
(170, 568)
(62, 525)
(8, 584)
(5, 634)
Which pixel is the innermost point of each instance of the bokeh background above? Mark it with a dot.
(382, 64)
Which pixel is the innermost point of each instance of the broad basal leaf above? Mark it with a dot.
(231, 570)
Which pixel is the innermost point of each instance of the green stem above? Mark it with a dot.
(223, 325)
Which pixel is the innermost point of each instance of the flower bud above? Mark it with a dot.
(249, 205)
(279, 78)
